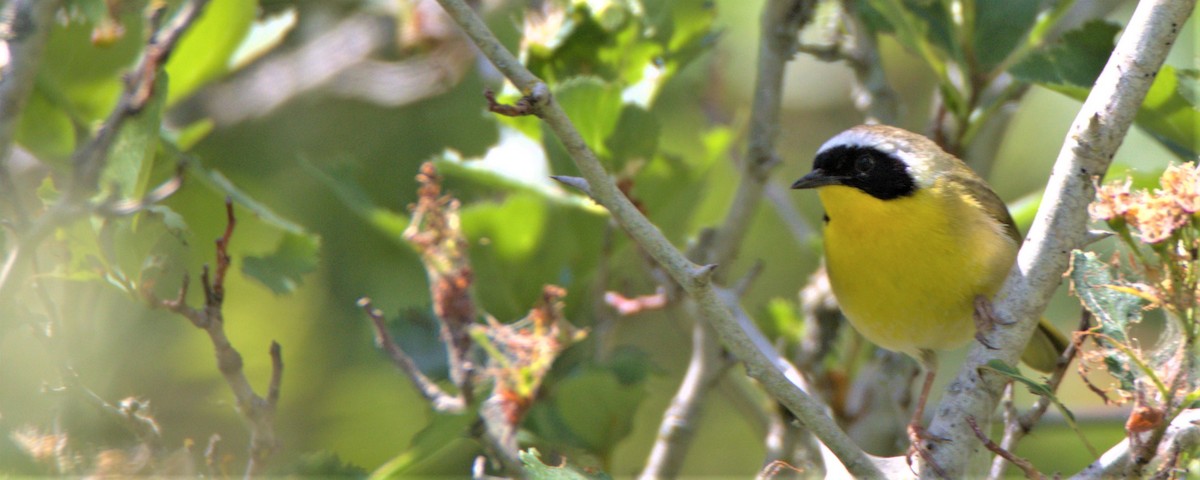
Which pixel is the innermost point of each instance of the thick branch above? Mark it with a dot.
(1060, 225)
(693, 278)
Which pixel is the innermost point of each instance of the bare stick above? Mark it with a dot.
(258, 412)
(1061, 222)
(438, 398)
(1030, 471)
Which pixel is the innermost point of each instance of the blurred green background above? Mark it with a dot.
(337, 140)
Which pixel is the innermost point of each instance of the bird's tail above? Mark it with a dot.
(1044, 348)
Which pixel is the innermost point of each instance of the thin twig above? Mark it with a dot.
(438, 398)
(1031, 472)
(258, 412)
(1061, 222)
(1017, 426)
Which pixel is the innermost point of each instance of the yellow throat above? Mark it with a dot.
(906, 270)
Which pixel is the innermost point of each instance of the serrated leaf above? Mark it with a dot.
(1114, 310)
(283, 269)
(537, 470)
(206, 49)
(594, 106)
(1073, 62)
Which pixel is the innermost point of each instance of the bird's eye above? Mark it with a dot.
(864, 164)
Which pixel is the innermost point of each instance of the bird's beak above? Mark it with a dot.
(817, 178)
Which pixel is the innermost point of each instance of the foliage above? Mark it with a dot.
(472, 280)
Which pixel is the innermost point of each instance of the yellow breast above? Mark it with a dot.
(906, 271)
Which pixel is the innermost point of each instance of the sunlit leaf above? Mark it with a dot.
(1171, 113)
(206, 49)
(1042, 390)
(594, 106)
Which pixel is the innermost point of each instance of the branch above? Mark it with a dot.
(1183, 434)
(438, 398)
(258, 412)
(695, 279)
(781, 21)
(28, 31)
(1060, 225)
(89, 160)
(681, 418)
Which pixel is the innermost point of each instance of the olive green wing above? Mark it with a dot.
(1047, 343)
(978, 190)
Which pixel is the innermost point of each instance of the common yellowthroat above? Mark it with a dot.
(912, 237)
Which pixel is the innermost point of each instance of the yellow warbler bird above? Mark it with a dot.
(912, 237)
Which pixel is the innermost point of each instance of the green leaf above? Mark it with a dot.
(46, 131)
(594, 106)
(131, 157)
(283, 269)
(1171, 113)
(440, 433)
(1071, 64)
(1114, 310)
(341, 182)
(206, 49)
(635, 137)
(537, 470)
(1093, 283)
(1000, 27)
(597, 407)
(322, 464)
(782, 320)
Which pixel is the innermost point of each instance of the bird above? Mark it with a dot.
(913, 239)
